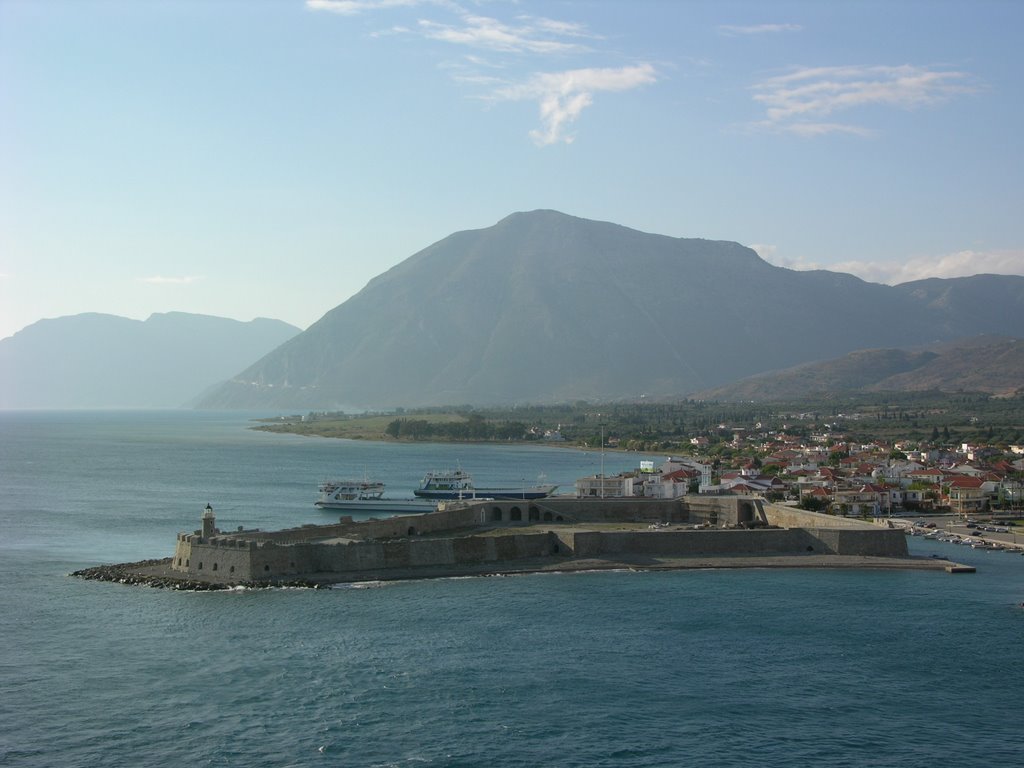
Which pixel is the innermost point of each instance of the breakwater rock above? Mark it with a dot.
(151, 573)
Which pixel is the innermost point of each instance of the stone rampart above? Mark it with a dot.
(273, 561)
(685, 543)
(270, 560)
(840, 535)
(865, 542)
(220, 558)
(725, 510)
(793, 517)
(450, 517)
(452, 538)
(821, 541)
(569, 509)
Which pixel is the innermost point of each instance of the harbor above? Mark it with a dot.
(991, 536)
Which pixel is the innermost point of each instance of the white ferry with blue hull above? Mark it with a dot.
(458, 484)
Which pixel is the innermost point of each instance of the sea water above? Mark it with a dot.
(707, 668)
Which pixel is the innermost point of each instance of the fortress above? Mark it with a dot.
(556, 533)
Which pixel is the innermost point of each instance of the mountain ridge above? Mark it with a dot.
(98, 360)
(542, 306)
(988, 364)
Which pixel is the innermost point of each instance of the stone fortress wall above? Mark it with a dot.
(451, 537)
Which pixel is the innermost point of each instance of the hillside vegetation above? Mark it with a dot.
(671, 426)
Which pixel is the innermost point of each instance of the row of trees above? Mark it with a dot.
(474, 428)
(931, 417)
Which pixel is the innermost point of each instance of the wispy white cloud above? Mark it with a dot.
(731, 30)
(562, 96)
(492, 34)
(532, 34)
(557, 27)
(958, 264)
(797, 102)
(479, 80)
(820, 129)
(765, 251)
(355, 7)
(161, 280)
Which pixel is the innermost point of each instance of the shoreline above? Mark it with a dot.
(263, 426)
(158, 573)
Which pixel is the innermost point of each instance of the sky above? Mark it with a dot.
(268, 158)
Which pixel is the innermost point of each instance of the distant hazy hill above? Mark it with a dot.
(94, 360)
(983, 364)
(543, 306)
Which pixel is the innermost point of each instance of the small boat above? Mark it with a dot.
(458, 484)
(367, 496)
(988, 547)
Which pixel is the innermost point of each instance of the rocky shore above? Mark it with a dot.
(158, 573)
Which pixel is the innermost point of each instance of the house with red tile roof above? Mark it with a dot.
(930, 476)
(966, 495)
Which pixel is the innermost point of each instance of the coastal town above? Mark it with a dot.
(831, 474)
(925, 453)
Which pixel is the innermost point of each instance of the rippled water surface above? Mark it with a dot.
(716, 668)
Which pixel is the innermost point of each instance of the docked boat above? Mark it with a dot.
(367, 497)
(458, 484)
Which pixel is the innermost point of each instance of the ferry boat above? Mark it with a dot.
(367, 496)
(458, 484)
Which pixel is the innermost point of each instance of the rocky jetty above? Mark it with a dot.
(156, 574)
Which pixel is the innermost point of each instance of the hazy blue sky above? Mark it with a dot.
(269, 158)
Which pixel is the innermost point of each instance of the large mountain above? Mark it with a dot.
(101, 361)
(543, 306)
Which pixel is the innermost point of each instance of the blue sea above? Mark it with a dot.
(692, 668)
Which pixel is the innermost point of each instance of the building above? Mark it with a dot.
(966, 495)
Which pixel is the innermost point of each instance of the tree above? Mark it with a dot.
(812, 503)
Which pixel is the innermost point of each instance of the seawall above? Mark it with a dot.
(487, 534)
